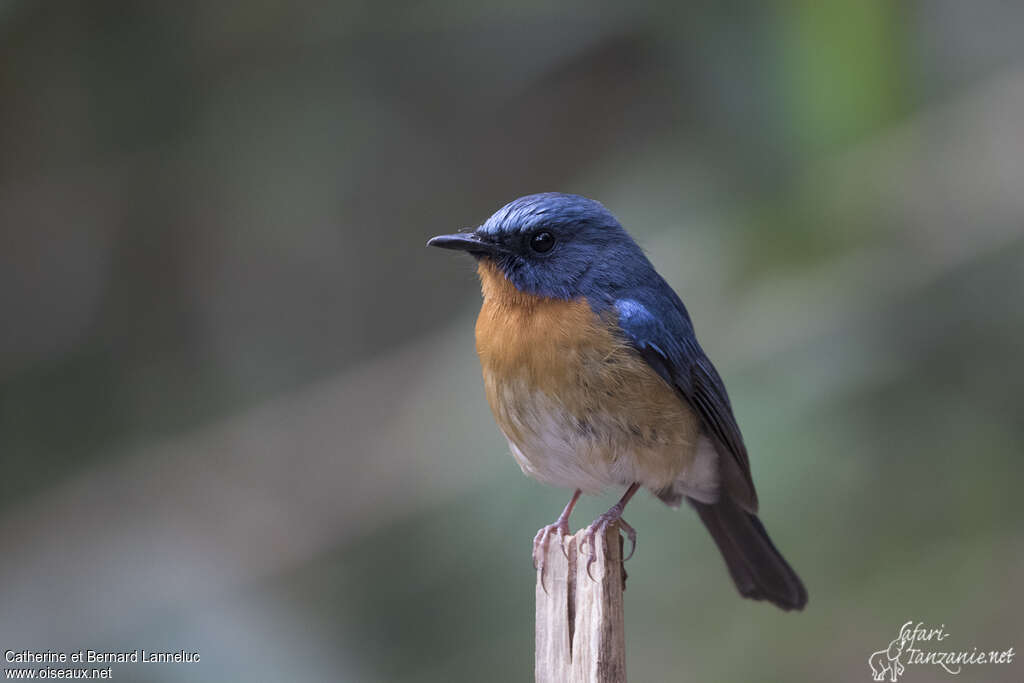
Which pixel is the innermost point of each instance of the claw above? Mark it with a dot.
(594, 550)
(543, 537)
(631, 535)
(601, 524)
(559, 529)
(594, 538)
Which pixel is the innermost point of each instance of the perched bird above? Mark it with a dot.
(595, 377)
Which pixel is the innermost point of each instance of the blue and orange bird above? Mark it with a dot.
(595, 377)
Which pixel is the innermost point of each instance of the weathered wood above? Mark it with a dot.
(580, 633)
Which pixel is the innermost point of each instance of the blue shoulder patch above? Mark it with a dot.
(654, 342)
(666, 340)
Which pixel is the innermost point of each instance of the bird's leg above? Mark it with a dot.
(600, 525)
(559, 528)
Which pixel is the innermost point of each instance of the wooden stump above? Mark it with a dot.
(580, 633)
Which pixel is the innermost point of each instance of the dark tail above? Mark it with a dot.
(759, 570)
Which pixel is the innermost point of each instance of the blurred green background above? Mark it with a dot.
(240, 410)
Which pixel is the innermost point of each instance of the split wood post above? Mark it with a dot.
(580, 632)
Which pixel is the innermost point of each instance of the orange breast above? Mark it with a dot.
(540, 340)
(579, 406)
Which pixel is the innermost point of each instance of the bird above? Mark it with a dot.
(593, 372)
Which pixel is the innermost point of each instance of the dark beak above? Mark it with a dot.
(463, 241)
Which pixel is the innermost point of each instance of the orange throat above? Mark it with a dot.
(499, 290)
(525, 334)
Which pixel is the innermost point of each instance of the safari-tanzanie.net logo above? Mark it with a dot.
(918, 645)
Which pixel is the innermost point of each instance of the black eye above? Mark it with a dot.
(542, 241)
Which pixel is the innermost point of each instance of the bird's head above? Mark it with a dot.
(550, 245)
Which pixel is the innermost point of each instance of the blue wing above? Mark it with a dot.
(658, 326)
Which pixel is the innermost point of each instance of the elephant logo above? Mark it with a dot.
(887, 661)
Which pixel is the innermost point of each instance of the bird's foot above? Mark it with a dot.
(559, 530)
(594, 537)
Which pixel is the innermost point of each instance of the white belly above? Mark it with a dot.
(552, 449)
(556, 447)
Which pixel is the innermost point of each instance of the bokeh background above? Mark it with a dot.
(240, 410)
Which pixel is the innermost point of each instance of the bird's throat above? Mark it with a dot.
(498, 290)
